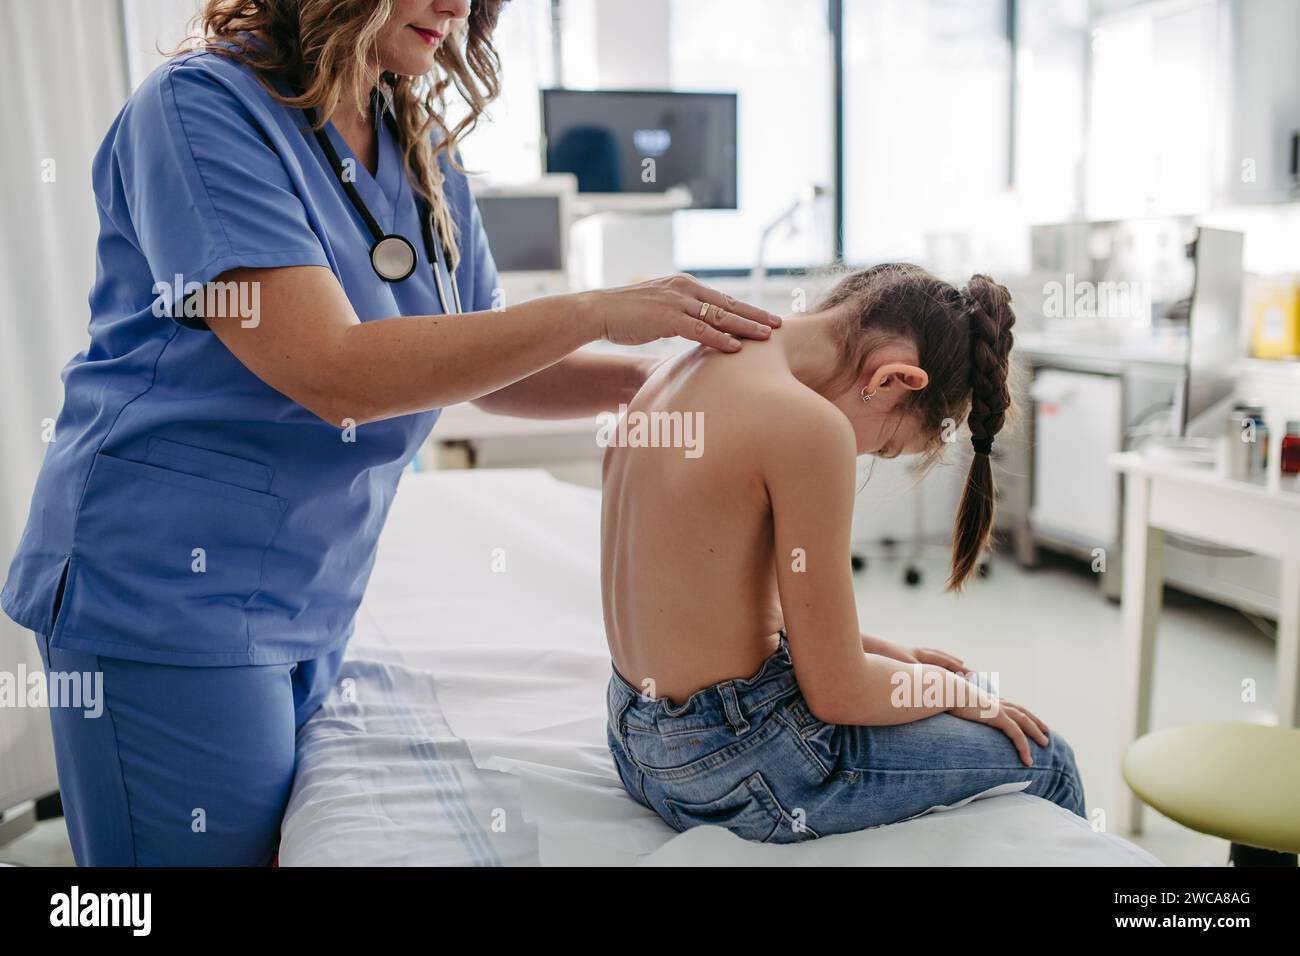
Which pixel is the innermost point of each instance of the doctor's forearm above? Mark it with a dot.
(307, 344)
(578, 386)
(410, 364)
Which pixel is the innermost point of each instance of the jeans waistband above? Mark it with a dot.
(734, 702)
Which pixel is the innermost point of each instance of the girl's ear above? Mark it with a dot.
(910, 377)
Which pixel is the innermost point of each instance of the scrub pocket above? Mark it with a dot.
(167, 555)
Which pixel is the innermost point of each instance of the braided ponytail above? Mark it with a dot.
(988, 307)
(963, 341)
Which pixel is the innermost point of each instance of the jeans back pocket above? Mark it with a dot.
(750, 810)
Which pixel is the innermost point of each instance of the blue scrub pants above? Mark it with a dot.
(187, 766)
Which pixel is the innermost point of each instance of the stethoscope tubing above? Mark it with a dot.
(432, 247)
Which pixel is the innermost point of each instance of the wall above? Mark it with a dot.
(55, 119)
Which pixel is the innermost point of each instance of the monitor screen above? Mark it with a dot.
(525, 232)
(644, 141)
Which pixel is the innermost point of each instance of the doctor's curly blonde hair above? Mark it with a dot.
(324, 47)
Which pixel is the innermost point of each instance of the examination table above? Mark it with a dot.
(468, 723)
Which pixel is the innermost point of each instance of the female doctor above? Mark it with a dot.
(205, 521)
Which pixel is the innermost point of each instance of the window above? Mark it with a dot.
(926, 114)
(507, 143)
(1150, 142)
(776, 54)
(1051, 95)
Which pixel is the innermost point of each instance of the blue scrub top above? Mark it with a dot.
(186, 512)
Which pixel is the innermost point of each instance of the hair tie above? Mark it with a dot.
(982, 446)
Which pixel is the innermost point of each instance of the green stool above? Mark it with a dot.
(1240, 782)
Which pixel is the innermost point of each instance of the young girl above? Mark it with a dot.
(743, 693)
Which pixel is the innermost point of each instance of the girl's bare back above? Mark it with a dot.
(687, 572)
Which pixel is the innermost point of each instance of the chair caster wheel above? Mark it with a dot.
(985, 569)
(912, 577)
(857, 562)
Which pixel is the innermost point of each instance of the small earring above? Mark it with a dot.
(865, 396)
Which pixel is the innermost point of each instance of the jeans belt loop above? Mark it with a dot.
(731, 706)
(626, 699)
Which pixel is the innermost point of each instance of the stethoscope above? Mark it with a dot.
(392, 256)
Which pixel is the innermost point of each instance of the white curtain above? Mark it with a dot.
(64, 75)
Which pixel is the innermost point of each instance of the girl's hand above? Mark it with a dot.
(913, 655)
(672, 306)
(1012, 720)
(928, 655)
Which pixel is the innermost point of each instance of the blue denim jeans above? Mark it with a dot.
(748, 755)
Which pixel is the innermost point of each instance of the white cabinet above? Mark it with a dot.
(1078, 424)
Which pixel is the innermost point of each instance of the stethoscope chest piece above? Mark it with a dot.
(393, 258)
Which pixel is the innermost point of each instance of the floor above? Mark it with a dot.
(1055, 643)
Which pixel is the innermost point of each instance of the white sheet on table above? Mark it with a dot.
(381, 780)
(1011, 830)
(519, 665)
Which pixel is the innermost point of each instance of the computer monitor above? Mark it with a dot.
(1213, 335)
(526, 233)
(527, 227)
(644, 141)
